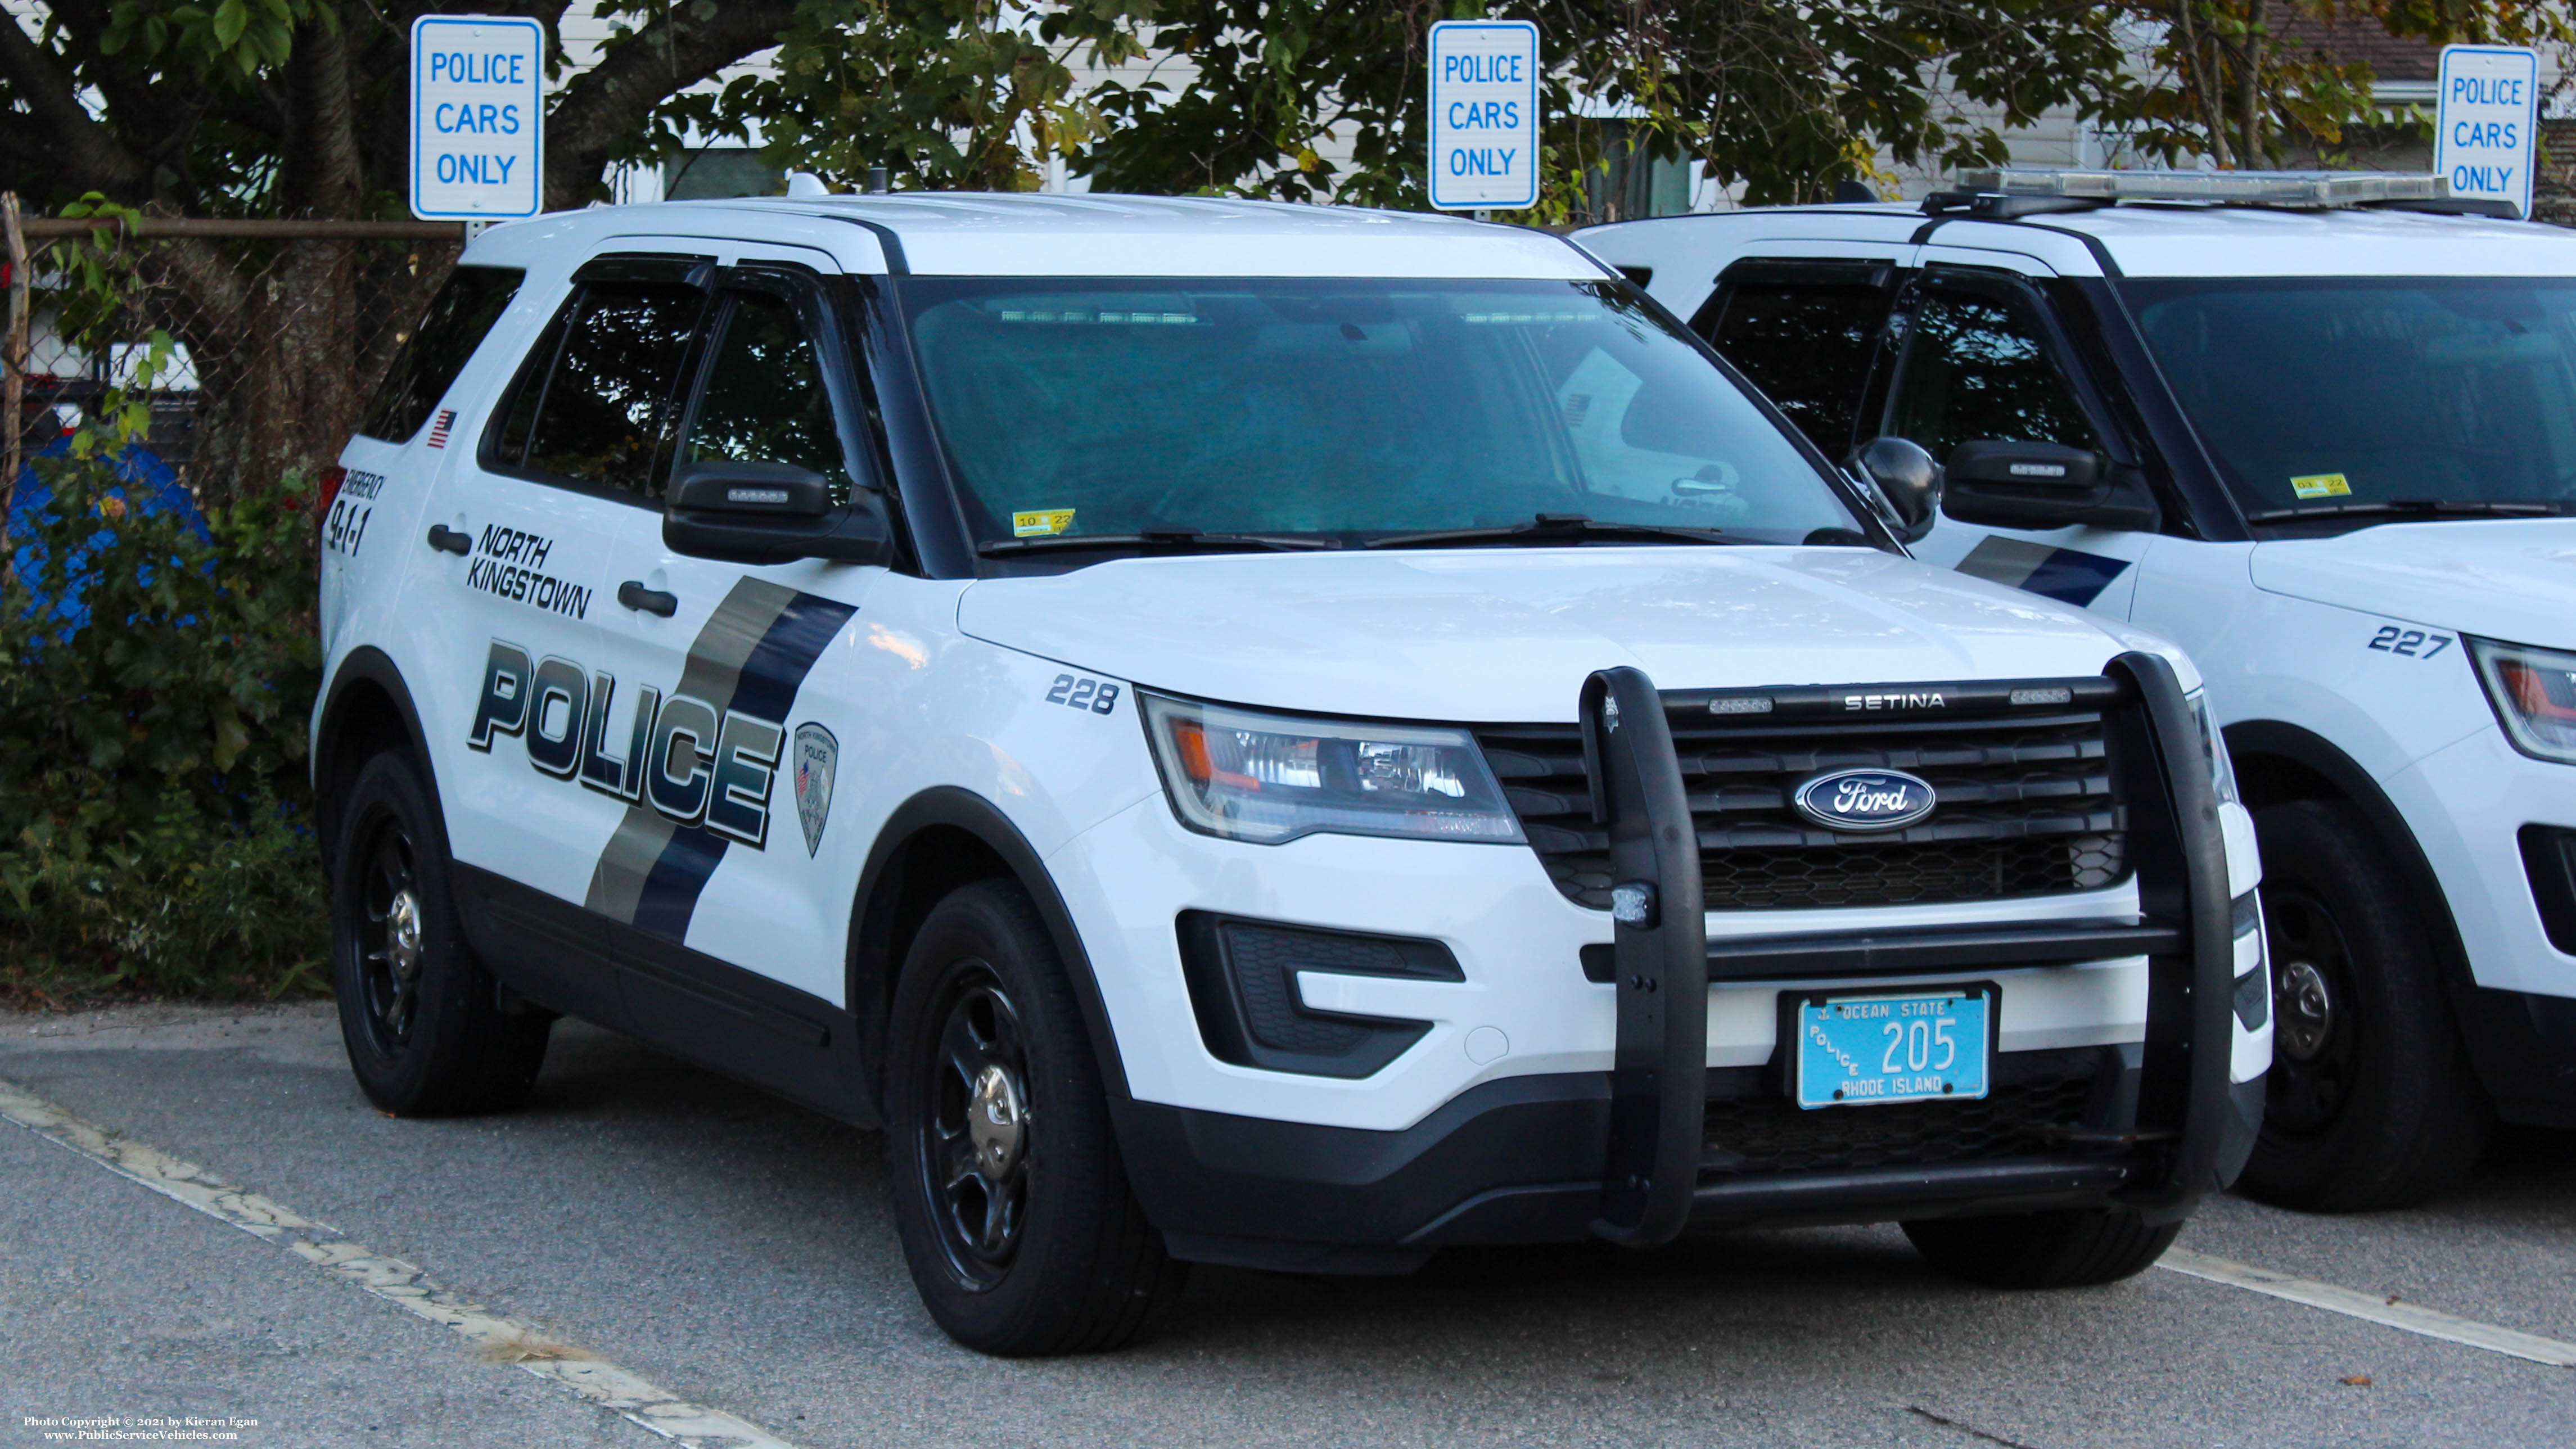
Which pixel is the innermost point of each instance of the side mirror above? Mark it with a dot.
(2042, 485)
(1908, 479)
(764, 513)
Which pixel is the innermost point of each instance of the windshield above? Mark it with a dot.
(2323, 394)
(1343, 411)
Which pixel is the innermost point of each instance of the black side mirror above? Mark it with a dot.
(763, 513)
(2042, 485)
(1908, 479)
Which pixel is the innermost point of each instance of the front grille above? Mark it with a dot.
(1773, 1134)
(2026, 810)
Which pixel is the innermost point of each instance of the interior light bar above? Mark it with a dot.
(2262, 188)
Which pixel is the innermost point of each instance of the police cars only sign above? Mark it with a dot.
(1484, 114)
(477, 117)
(2487, 122)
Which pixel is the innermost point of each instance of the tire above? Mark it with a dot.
(420, 1016)
(2371, 1101)
(2069, 1248)
(1013, 1207)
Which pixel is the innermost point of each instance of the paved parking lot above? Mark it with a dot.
(737, 1253)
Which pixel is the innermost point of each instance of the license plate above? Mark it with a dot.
(1856, 1051)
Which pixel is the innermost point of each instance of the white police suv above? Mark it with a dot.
(2322, 429)
(1249, 734)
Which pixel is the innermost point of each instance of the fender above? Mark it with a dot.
(874, 921)
(370, 665)
(2314, 752)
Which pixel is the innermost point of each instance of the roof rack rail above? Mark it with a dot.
(2241, 188)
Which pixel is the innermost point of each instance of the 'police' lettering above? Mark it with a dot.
(503, 709)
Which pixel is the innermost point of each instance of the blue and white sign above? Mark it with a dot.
(2487, 122)
(1484, 115)
(477, 117)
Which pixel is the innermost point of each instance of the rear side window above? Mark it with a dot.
(438, 348)
(596, 411)
(1807, 348)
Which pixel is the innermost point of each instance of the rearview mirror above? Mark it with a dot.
(2042, 485)
(762, 513)
(1908, 479)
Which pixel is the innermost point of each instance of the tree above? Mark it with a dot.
(295, 108)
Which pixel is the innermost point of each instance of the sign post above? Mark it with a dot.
(477, 117)
(1484, 115)
(2487, 122)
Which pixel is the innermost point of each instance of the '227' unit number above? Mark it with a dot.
(1095, 695)
(2409, 642)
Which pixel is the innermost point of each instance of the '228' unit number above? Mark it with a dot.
(2409, 642)
(1095, 695)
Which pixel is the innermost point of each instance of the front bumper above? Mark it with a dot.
(1514, 1140)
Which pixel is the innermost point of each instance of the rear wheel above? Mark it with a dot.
(1012, 1204)
(2371, 1101)
(418, 1013)
(2073, 1248)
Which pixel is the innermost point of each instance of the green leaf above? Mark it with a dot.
(231, 17)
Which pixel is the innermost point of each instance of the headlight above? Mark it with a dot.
(1269, 778)
(2213, 750)
(2534, 694)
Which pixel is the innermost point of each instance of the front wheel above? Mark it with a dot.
(2073, 1248)
(1013, 1207)
(2371, 1102)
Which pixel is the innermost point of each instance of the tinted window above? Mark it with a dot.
(437, 349)
(1345, 408)
(764, 400)
(597, 414)
(1976, 367)
(2323, 393)
(1808, 348)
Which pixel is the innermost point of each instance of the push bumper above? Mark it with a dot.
(1630, 1154)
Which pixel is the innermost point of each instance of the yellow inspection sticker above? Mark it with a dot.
(1046, 522)
(2315, 485)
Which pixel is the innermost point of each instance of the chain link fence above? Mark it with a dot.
(279, 333)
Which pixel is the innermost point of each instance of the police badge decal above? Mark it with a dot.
(816, 753)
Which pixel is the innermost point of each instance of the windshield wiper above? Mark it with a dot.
(1158, 540)
(2409, 508)
(1550, 528)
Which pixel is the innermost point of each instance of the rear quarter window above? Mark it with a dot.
(438, 349)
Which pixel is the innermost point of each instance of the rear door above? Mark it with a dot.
(524, 625)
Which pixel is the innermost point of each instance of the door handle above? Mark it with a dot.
(652, 601)
(450, 540)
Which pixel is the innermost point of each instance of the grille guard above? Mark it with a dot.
(1660, 947)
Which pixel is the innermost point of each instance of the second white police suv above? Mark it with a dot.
(1249, 734)
(2321, 427)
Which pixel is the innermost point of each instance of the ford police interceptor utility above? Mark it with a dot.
(2321, 428)
(1249, 734)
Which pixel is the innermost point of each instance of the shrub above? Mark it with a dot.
(155, 680)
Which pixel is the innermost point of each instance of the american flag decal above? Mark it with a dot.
(438, 429)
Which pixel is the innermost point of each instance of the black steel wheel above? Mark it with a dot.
(422, 1020)
(975, 1128)
(1017, 1222)
(2371, 1101)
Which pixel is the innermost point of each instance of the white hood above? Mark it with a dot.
(2502, 578)
(1508, 634)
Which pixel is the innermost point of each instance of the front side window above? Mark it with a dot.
(1977, 366)
(1808, 348)
(1343, 410)
(2355, 394)
(438, 349)
(764, 400)
(597, 414)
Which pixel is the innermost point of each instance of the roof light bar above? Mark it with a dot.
(2255, 188)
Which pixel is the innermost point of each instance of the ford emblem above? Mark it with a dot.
(1864, 800)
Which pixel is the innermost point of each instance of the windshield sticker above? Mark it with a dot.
(1041, 522)
(2321, 485)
